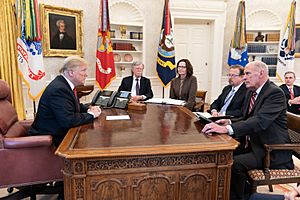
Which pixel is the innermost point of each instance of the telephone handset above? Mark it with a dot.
(109, 99)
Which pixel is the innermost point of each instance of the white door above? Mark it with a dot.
(193, 41)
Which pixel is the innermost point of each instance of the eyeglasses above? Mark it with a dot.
(181, 66)
(233, 75)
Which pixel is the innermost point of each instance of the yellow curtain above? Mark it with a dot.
(8, 55)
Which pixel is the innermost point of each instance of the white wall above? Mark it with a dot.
(152, 13)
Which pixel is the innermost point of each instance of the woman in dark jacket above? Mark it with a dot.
(184, 86)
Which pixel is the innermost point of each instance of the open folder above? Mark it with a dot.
(207, 118)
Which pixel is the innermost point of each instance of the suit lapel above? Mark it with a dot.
(76, 101)
(228, 89)
(259, 97)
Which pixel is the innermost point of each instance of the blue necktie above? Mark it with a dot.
(227, 102)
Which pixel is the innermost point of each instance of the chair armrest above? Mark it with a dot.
(27, 142)
(26, 124)
(276, 147)
(271, 147)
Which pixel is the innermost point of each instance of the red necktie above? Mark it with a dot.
(291, 93)
(75, 94)
(252, 101)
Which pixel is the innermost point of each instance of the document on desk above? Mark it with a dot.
(208, 117)
(166, 101)
(117, 117)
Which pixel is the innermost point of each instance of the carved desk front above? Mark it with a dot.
(159, 154)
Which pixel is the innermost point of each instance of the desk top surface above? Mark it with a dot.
(158, 130)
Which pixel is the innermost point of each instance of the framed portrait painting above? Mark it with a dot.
(62, 31)
(297, 41)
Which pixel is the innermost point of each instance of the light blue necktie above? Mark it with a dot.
(227, 102)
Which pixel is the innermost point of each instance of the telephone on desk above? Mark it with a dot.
(111, 99)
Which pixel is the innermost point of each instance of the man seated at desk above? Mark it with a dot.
(292, 92)
(264, 121)
(231, 99)
(138, 85)
(59, 108)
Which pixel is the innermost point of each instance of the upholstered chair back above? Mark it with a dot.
(9, 124)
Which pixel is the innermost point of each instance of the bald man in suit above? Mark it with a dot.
(264, 120)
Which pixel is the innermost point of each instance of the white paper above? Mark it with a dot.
(166, 101)
(118, 117)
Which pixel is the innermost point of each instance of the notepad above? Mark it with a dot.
(117, 117)
(166, 101)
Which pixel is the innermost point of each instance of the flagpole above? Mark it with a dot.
(34, 109)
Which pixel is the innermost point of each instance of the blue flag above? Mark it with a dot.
(238, 53)
(166, 68)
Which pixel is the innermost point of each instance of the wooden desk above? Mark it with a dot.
(157, 155)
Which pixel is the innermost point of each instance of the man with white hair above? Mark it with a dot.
(62, 40)
(137, 84)
(59, 108)
(264, 121)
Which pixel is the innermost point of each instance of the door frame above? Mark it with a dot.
(216, 13)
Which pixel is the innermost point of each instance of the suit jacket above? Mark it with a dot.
(66, 43)
(235, 106)
(188, 91)
(291, 108)
(266, 124)
(145, 86)
(58, 111)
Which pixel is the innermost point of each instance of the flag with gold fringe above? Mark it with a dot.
(165, 67)
(105, 66)
(29, 47)
(286, 54)
(238, 53)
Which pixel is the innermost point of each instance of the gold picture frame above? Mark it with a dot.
(297, 41)
(62, 31)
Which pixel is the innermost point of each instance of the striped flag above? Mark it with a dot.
(286, 54)
(238, 53)
(105, 65)
(29, 47)
(165, 67)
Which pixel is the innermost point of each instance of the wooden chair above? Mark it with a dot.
(200, 100)
(83, 90)
(269, 176)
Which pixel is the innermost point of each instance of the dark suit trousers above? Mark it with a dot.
(241, 164)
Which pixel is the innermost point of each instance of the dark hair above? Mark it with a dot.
(290, 72)
(241, 68)
(189, 67)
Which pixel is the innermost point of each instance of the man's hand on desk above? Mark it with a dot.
(296, 100)
(214, 113)
(136, 98)
(95, 111)
(212, 128)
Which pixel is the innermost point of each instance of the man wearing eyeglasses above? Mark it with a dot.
(231, 99)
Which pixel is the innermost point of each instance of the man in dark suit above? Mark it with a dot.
(264, 121)
(138, 85)
(59, 108)
(61, 40)
(230, 101)
(292, 92)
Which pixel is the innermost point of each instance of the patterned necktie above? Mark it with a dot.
(227, 101)
(137, 87)
(291, 93)
(252, 101)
